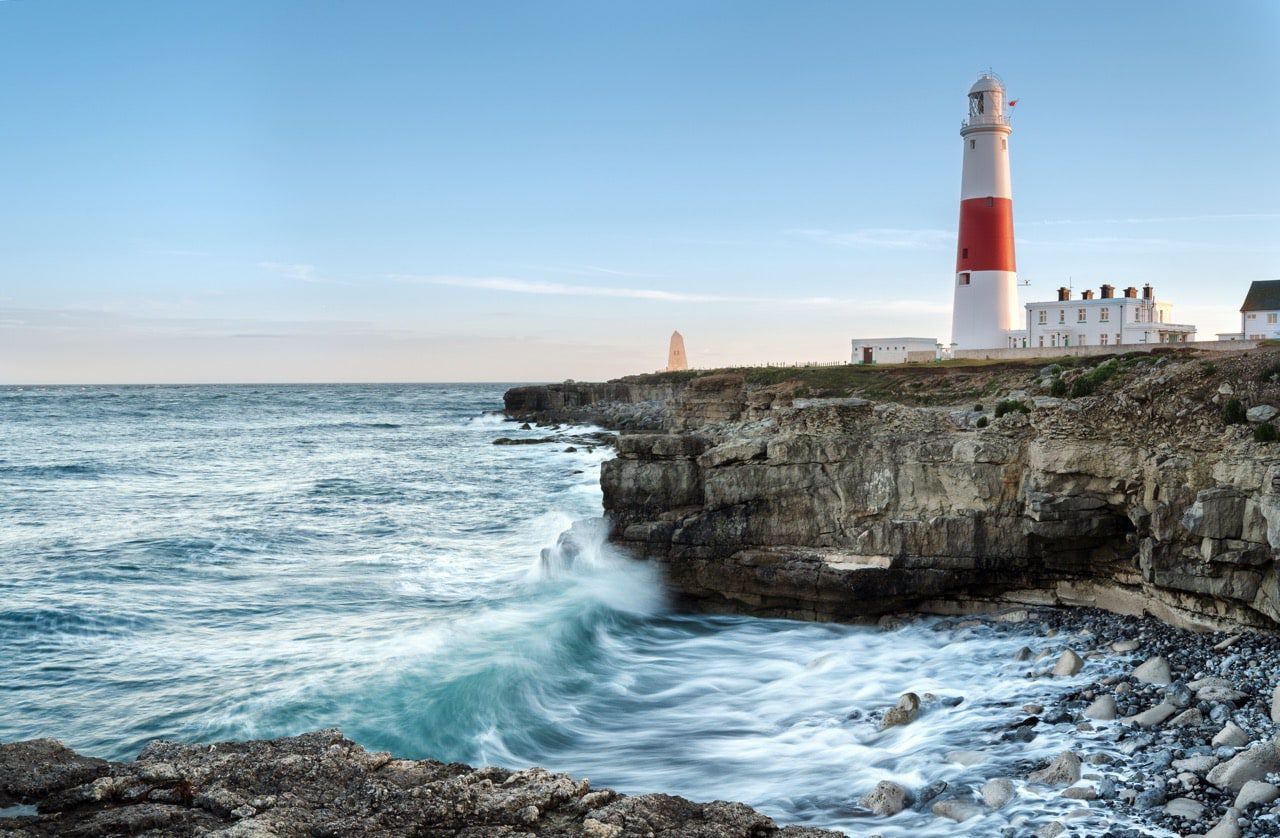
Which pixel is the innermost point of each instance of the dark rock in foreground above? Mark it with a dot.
(321, 784)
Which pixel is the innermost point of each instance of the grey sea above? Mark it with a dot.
(206, 563)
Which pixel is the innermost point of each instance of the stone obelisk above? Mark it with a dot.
(676, 359)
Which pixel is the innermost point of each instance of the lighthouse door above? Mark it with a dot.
(867, 355)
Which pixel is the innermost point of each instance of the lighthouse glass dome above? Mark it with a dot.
(986, 102)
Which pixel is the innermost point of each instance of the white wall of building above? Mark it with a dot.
(893, 350)
(1260, 325)
(1103, 322)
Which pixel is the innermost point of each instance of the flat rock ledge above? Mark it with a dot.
(322, 784)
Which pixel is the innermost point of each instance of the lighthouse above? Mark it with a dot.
(986, 310)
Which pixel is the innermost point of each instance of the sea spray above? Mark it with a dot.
(202, 563)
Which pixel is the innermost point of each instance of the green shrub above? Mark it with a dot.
(1011, 406)
(982, 422)
(1266, 432)
(978, 407)
(1086, 384)
(1233, 413)
(1057, 387)
(1209, 368)
(1082, 386)
(1270, 374)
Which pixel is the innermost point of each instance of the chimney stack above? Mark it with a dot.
(1148, 293)
(1108, 292)
(1064, 294)
(1086, 295)
(1131, 293)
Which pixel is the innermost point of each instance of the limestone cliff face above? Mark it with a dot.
(614, 404)
(1137, 499)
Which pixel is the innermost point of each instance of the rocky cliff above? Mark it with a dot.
(322, 784)
(1145, 491)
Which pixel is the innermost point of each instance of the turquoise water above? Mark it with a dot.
(201, 563)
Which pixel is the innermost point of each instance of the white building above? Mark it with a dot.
(894, 351)
(1261, 310)
(1104, 320)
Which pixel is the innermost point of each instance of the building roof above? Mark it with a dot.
(1263, 295)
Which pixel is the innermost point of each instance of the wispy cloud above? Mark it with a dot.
(588, 270)
(300, 272)
(524, 286)
(882, 238)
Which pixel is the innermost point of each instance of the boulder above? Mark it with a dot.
(1152, 716)
(1069, 663)
(956, 809)
(997, 791)
(887, 798)
(906, 711)
(1261, 413)
(1102, 709)
(1063, 771)
(1154, 671)
(1228, 827)
(1254, 792)
(1230, 735)
(1253, 764)
(1185, 808)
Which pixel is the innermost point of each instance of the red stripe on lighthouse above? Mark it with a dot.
(986, 235)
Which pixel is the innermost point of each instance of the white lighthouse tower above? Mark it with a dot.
(986, 297)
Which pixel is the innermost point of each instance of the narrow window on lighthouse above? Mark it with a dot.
(964, 254)
(964, 278)
(1004, 145)
(973, 143)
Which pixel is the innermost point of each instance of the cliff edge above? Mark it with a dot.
(1137, 483)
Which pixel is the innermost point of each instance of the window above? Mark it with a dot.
(972, 144)
(1044, 318)
(1082, 315)
(1062, 316)
(991, 202)
(1117, 338)
(1271, 318)
(964, 254)
(1104, 315)
(1004, 145)
(1253, 317)
(1102, 339)
(963, 279)
(1042, 340)
(1053, 340)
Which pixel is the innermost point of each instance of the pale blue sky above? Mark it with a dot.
(376, 190)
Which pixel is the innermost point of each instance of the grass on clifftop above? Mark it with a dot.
(947, 382)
